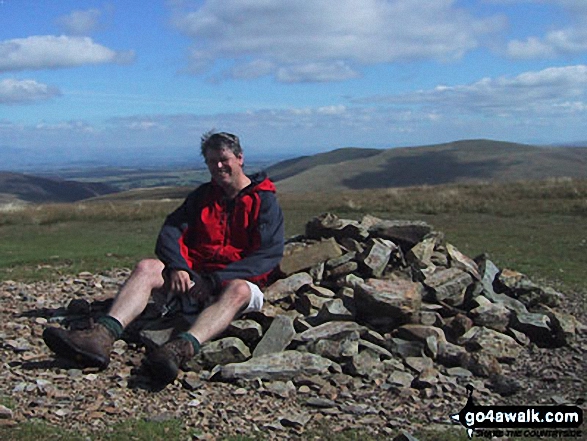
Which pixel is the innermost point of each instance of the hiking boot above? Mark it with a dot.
(164, 362)
(88, 347)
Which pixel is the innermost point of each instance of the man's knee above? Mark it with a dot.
(149, 268)
(237, 292)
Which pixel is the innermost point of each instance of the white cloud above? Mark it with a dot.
(323, 40)
(80, 22)
(14, 91)
(51, 52)
(544, 92)
(564, 41)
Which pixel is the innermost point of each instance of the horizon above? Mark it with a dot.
(129, 82)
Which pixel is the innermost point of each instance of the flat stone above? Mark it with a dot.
(279, 335)
(330, 330)
(303, 258)
(405, 233)
(224, 351)
(276, 366)
(286, 287)
(400, 379)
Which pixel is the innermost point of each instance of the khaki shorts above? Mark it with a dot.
(190, 308)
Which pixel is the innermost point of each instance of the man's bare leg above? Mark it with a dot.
(165, 361)
(216, 317)
(133, 297)
(92, 347)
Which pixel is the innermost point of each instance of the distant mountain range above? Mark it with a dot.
(27, 188)
(460, 161)
(358, 168)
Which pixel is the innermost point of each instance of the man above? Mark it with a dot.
(214, 252)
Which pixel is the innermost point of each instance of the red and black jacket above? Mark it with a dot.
(225, 239)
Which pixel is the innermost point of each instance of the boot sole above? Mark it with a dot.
(57, 341)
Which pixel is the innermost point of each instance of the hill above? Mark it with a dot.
(292, 167)
(21, 187)
(455, 162)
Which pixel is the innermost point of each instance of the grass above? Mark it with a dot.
(534, 227)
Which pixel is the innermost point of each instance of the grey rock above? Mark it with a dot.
(338, 261)
(364, 364)
(420, 255)
(247, 330)
(283, 389)
(307, 303)
(451, 355)
(224, 351)
(459, 260)
(536, 326)
(449, 285)
(286, 287)
(406, 348)
(331, 310)
(420, 332)
(427, 378)
(276, 366)
(328, 225)
(303, 258)
(419, 364)
(480, 339)
(279, 335)
(482, 364)
(387, 303)
(296, 420)
(376, 255)
(341, 270)
(518, 285)
(330, 330)
(491, 315)
(405, 233)
(400, 379)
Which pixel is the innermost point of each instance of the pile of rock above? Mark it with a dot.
(385, 300)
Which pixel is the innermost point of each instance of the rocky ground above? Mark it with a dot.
(399, 394)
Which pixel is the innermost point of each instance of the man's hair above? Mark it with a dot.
(219, 140)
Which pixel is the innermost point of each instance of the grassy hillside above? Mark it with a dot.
(456, 162)
(16, 186)
(292, 167)
(537, 227)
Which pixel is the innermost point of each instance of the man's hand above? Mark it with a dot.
(202, 290)
(179, 282)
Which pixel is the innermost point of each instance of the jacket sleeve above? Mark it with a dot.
(168, 247)
(270, 252)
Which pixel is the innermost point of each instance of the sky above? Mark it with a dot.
(133, 81)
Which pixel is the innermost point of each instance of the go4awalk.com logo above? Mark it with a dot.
(520, 421)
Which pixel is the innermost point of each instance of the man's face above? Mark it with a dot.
(224, 166)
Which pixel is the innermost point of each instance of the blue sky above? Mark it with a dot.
(97, 80)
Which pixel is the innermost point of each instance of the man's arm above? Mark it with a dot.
(267, 257)
(168, 247)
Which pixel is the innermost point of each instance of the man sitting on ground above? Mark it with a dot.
(214, 252)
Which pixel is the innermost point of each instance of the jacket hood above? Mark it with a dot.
(260, 182)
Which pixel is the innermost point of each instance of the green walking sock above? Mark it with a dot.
(193, 340)
(113, 325)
